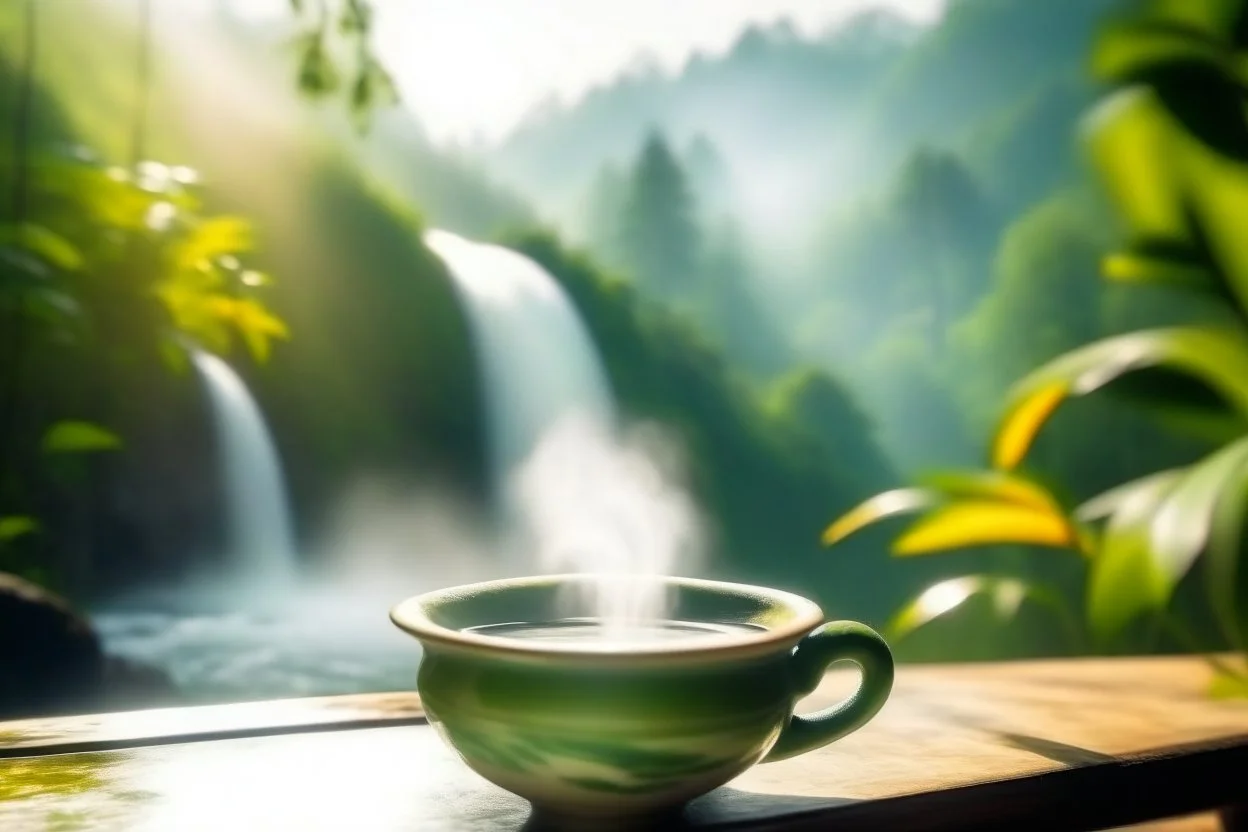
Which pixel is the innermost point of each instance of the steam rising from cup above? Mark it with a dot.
(610, 505)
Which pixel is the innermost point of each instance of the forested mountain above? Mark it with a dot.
(809, 122)
(855, 196)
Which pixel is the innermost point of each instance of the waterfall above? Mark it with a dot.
(537, 360)
(258, 515)
(578, 492)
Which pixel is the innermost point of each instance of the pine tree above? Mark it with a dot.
(708, 177)
(939, 210)
(604, 215)
(660, 233)
(731, 309)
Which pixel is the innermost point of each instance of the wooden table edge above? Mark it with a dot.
(320, 716)
(1080, 798)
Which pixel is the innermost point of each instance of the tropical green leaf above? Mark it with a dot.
(879, 507)
(1216, 356)
(1131, 140)
(79, 437)
(1173, 156)
(45, 244)
(936, 601)
(1181, 529)
(1007, 596)
(1105, 504)
(53, 307)
(14, 526)
(1164, 263)
(108, 195)
(1215, 179)
(1181, 401)
(985, 523)
(1136, 50)
(1218, 19)
(1225, 569)
(1125, 580)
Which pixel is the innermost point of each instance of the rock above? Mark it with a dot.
(51, 660)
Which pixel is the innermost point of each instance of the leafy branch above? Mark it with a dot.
(336, 56)
(1171, 144)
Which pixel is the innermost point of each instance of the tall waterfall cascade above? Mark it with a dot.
(537, 361)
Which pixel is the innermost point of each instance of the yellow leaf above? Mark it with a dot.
(198, 314)
(1021, 424)
(984, 523)
(990, 485)
(888, 504)
(222, 307)
(258, 326)
(214, 238)
(202, 278)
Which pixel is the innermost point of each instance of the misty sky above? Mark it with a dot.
(480, 65)
(470, 67)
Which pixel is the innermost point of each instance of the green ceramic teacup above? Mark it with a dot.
(604, 735)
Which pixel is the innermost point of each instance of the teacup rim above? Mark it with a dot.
(410, 616)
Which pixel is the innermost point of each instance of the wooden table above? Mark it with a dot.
(1062, 745)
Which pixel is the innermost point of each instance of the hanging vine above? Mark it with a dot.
(336, 56)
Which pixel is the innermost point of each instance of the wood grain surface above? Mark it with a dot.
(96, 732)
(1068, 745)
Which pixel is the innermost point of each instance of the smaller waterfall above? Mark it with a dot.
(261, 541)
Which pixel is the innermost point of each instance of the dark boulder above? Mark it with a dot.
(52, 661)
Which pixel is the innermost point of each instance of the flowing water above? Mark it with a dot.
(260, 542)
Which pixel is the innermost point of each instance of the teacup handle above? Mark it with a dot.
(835, 642)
